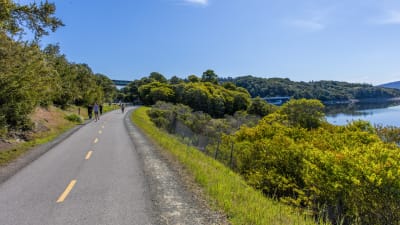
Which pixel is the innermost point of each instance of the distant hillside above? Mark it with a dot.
(391, 85)
(322, 90)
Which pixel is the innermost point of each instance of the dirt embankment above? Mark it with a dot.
(44, 122)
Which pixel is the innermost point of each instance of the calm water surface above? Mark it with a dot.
(376, 114)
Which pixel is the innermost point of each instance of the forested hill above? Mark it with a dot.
(322, 90)
(391, 85)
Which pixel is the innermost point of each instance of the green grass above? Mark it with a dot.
(18, 150)
(107, 107)
(228, 191)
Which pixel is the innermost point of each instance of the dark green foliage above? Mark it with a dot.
(230, 86)
(193, 78)
(162, 93)
(176, 80)
(158, 77)
(241, 101)
(164, 115)
(108, 87)
(161, 118)
(131, 91)
(167, 116)
(321, 90)
(304, 113)
(210, 76)
(74, 118)
(77, 83)
(30, 77)
(38, 18)
(25, 80)
(155, 91)
(200, 96)
(261, 107)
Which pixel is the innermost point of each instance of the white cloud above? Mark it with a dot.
(197, 2)
(391, 17)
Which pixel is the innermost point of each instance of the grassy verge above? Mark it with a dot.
(19, 149)
(229, 192)
(110, 107)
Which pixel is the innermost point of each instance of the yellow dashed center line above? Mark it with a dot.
(67, 191)
(96, 140)
(100, 131)
(88, 155)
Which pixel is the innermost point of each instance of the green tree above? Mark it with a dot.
(162, 93)
(321, 90)
(158, 77)
(304, 113)
(108, 87)
(37, 18)
(131, 91)
(196, 96)
(26, 81)
(152, 92)
(193, 78)
(175, 80)
(210, 76)
(230, 86)
(89, 91)
(260, 107)
(68, 86)
(241, 101)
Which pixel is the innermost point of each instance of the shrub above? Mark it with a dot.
(74, 118)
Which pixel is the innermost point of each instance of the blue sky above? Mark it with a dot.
(303, 40)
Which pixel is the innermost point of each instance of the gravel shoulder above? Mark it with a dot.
(175, 196)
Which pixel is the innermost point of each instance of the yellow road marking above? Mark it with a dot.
(67, 191)
(100, 131)
(88, 155)
(96, 140)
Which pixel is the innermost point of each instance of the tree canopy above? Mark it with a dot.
(31, 76)
(205, 96)
(321, 90)
(38, 18)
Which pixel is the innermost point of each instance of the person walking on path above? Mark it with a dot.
(90, 111)
(101, 109)
(96, 112)
(122, 107)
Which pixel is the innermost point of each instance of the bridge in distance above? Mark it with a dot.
(122, 83)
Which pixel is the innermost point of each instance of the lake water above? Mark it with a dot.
(382, 113)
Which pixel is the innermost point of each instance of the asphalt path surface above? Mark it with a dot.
(103, 173)
(93, 177)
